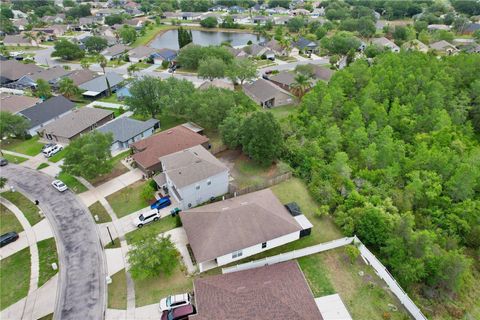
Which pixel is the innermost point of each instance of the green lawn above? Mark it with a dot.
(117, 291)
(150, 34)
(97, 209)
(160, 226)
(115, 63)
(167, 121)
(29, 209)
(72, 182)
(14, 277)
(116, 111)
(30, 147)
(112, 99)
(317, 275)
(42, 166)
(117, 169)
(128, 200)
(116, 244)
(58, 156)
(142, 65)
(8, 221)
(14, 159)
(47, 254)
(283, 111)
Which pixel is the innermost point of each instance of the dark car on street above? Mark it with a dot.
(180, 313)
(8, 238)
(3, 162)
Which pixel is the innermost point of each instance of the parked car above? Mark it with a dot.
(146, 218)
(161, 203)
(48, 152)
(3, 162)
(175, 301)
(59, 185)
(48, 145)
(7, 238)
(180, 313)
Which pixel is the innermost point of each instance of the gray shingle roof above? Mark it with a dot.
(263, 90)
(115, 50)
(13, 70)
(100, 84)
(124, 128)
(47, 110)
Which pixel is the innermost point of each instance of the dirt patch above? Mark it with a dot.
(117, 170)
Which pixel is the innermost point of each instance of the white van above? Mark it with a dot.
(52, 150)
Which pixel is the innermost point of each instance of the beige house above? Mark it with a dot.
(267, 95)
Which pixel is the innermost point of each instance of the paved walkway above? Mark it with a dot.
(149, 312)
(16, 154)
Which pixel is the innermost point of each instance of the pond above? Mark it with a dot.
(169, 39)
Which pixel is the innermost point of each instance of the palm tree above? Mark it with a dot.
(102, 61)
(68, 88)
(85, 63)
(301, 85)
(286, 44)
(132, 69)
(30, 36)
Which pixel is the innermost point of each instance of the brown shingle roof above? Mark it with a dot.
(277, 292)
(14, 70)
(226, 226)
(82, 76)
(149, 150)
(15, 103)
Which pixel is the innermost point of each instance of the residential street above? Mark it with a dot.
(82, 287)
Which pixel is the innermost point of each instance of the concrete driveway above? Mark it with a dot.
(82, 288)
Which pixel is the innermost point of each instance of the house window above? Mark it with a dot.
(197, 187)
(209, 182)
(264, 245)
(237, 254)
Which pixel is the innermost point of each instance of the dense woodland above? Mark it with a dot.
(391, 151)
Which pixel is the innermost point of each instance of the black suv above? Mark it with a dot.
(7, 238)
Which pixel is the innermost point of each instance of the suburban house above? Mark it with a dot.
(471, 28)
(18, 40)
(306, 46)
(51, 75)
(285, 79)
(140, 53)
(261, 20)
(163, 55)
(115, 51)
(46, 112)
(444, 47)
(20, 24)
(78, 77)
(277, 291)
(16, 103)
(52, 32)
(266, 94)
(415, 45)
(192, 176)
(383, 42)
(13, 70)
(191, 16)
(436, 27)
(98, 87)
(126, 131)
(74, 124)
(147, 152)
(275, 46)
(229, 230)
(85, 23)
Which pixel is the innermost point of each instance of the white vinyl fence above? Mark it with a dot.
(366, 255)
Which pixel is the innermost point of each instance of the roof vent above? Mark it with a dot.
(293, 208)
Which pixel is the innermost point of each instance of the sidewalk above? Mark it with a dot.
(149, 312)
(16, 154)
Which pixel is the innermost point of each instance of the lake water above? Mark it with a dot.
(169, 39)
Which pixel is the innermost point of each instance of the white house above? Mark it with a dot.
(193, 176)
(385, 43)
(230, 230)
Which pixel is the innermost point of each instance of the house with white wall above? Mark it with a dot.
(193, 176)
(226, 231)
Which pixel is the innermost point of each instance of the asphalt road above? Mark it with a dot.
(82, 288)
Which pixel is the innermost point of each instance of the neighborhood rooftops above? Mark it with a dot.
(191, 165)
(115, 50)
(47, 110)
(141, 52)
(16, 103)
(262, 90)
(81, 76)
(13, 70)
(74, 123)
(277, 291)
(48, 74)
(99, 84)
(124, 128)
(149, 150)
(223, 227)
(17, 39)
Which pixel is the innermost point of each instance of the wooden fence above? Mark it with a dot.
(233, 191)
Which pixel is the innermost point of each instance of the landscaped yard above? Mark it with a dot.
(58, 156)
(30, 147)
(264, 63)
(14, 277)
(283, 111)
(29, 209)
(111, 99)
(116, 111)
(8, 221)
(47, 254)
(97, 209)
(117, 291)
(167, 121)
(128, 199)
(42, 166)
(331, 272)
(72, 182)
(115, 63)
(160, 226)
(118, 169)
(142, 65)
(14, 159)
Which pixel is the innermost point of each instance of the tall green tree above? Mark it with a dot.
(96, 44)
(43, 89)
(211, 68)
(68, 88)
(67, 50)
(184, 37)
(241, 70)
(13, 125)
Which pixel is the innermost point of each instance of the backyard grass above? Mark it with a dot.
(72, 182)
(117, 169)
(142, 65)
(42, 166)
(282, 112)
(14, 159)
(47, 254)
(128, 200)
(117, 291)
(116, 111)
(29, 209)
(331, 272)
(58, 156)
(264, 63)
(160, 226)
(30, 147)
(14, 277)
(97, 209)
(167, 121)
(112, 98)
(8, 221)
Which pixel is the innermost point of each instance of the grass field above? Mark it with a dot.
(167, 121)
(164, 224)
(8, 221)
(42, 166)
(150, 34)
(14, 159)
(116, 112)
(14, 277)
(283, 111)
(72, 182)
(58, 156)
(29, 209)
(97, 209)
(47, 254)
(111, 99)
(128, 200)
(117, 291)
(30, 147)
